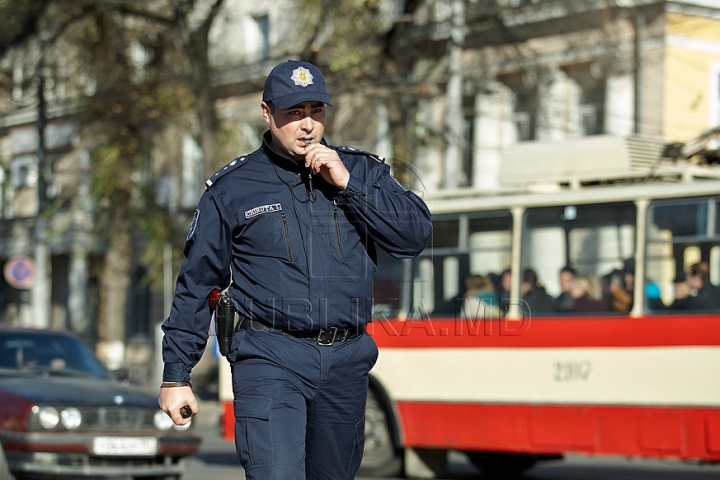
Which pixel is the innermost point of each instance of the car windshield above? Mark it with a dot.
(47, 352)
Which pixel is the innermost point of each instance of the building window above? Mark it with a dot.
(525, 114)
(592, 108)
(524, 103)
(592, 85)
(138, 315)
(263, 28)
(23, 171)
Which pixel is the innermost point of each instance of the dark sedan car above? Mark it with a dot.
(63, 414)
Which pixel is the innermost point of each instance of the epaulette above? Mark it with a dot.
(357, 151)
(237, 163)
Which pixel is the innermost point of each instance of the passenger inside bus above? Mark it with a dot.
(584, 291)
(682, 293)
(628, 273)
(706, 296)
(536, 299)
(488, 296)
(502, 287)
(652, 297)
(450, 307)
(480, 298)
(615, 292)
(565, 301)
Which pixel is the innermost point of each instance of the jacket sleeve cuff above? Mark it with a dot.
(175, 372)
(354, 187)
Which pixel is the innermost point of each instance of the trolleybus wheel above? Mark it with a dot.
(501, 464)
(380, 457)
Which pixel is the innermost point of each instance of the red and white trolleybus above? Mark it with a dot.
(519, 383)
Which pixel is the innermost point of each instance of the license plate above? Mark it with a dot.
(124, 446)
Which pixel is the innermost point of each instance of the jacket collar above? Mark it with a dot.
(281, 161)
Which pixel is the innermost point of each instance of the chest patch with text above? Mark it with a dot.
(275, 207)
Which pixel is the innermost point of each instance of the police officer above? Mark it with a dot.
(292, 229)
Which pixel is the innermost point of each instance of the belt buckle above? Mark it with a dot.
(323, 331)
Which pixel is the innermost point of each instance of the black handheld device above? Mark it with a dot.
(224, 323)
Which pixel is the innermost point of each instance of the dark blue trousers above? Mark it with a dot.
(300, 406)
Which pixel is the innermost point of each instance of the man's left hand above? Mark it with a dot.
(325, 161)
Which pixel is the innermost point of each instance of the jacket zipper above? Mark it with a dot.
(339, 237)
(287, 238)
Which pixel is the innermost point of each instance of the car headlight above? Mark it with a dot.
(180, 428)
(162, 421)
(71, 418)
(48, 417)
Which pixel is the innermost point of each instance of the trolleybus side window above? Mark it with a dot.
(597, 243)
(463, 247)
(683, 256)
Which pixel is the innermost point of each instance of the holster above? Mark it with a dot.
(227, 321)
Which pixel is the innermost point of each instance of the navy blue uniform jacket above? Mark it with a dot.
(301, 259)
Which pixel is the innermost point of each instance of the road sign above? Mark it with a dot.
(19, 271)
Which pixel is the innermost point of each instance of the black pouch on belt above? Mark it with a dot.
(225, 324)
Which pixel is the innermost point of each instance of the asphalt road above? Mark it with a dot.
(217, 461)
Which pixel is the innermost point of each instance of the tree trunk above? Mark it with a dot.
(200, 82)
(114, 285)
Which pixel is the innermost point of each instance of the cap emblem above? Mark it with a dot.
(302, 76)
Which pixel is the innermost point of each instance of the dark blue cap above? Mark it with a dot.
(293, 82)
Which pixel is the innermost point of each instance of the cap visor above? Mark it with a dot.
(292, 100)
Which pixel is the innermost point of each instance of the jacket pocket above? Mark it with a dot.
(253, 433)
(286, 229)
(338, 233)
(356, 456)
(270, 235)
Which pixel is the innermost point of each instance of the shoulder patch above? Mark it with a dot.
(193, 224)
(357, 151)
(236, 163)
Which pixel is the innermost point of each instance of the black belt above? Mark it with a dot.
(322, 336)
